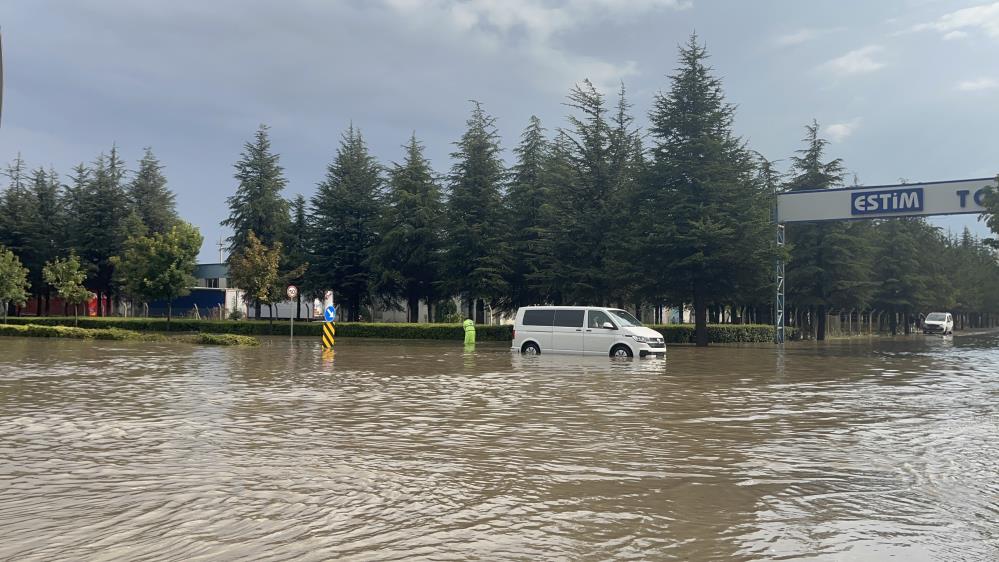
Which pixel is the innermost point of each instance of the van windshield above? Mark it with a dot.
(936, 317)
(624, 318)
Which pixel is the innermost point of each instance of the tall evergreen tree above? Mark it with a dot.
(296, 255)
(15, 207)
(552, 278)
(523, 204)
(104, 222)
(257, 204)
(406, 260)
(829, 263)
(475, 263)
(73, 202)
(707, 197)
(151, 197)
(44, 228)
(343, 223)
(903, 269)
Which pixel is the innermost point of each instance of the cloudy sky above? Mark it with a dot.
(904, 89)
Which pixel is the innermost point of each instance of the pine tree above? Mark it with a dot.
(104, 223)
(406, 260)
(257, 204)
(343, 223)
(900, 268)
(552, 278)
(15, 208)
(296, 255)
(523, 204)
(73, 202)
(710, 238)
(829, 261)
(44, 228)
(150, 196)
(475, 262)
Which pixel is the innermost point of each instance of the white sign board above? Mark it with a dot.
(906, 200)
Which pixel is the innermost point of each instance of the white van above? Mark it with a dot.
(588, 330)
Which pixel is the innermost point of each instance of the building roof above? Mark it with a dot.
(211, 271)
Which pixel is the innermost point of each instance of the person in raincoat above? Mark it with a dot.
(469, 332)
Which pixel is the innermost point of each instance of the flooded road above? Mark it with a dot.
(862, 450)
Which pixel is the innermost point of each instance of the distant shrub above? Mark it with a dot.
(221, 339)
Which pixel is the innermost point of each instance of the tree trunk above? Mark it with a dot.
(169, 312)
(256, 310)
(270, 319)
(430, 310)
(820, 334)
(700, 318)
(413, 302)
(76, 315)
(471, 309)
(893, 322)
(480, 311)
(298, 306)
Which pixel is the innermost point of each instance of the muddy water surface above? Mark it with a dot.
(862, 450)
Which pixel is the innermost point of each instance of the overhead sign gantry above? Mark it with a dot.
(874, 202)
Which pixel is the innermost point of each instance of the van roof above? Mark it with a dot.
(553, 307)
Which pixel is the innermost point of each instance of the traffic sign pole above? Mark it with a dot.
(329, 329)
(292, 292)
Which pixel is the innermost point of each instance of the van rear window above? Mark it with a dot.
(539, 317)
(569, 318)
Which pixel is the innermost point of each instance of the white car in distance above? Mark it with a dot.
(938, 323)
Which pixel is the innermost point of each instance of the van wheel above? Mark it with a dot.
(530, 348)
(621, 350)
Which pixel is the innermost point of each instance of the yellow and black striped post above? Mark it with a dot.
(328, 332)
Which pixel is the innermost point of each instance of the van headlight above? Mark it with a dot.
(641, 339)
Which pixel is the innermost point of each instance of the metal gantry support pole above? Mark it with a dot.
(779, 301)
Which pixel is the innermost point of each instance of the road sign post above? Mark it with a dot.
(292, 292)
(329, 327)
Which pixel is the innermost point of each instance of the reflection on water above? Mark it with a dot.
(844, 451)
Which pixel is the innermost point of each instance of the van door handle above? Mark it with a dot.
(579, 329)
(589, 330)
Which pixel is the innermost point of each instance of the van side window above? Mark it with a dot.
(597, 319)
(539, 317)
(569, 318)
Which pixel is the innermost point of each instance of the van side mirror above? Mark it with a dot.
(608, 326)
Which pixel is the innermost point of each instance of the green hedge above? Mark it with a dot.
(118, 334)
(281, 327)
(673, 333)
(37, 331)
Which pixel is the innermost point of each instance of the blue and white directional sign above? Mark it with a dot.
(330, 313)
(906, 200)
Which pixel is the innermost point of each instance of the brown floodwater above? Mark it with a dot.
(850, 450)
